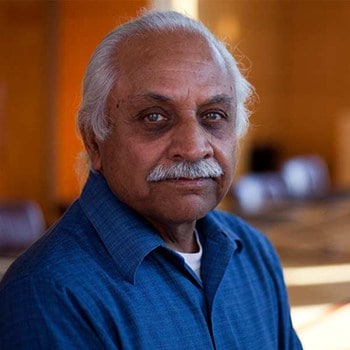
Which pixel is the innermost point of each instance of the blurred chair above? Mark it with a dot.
(257, 192)
(21, 223)
(306, 177)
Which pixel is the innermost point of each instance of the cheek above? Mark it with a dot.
(227, 159)
(226, 153)
(128, 163)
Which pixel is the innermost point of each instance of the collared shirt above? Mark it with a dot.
(102, 278)
(193, 260)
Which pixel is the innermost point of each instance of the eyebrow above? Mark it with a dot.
(221, 98)
(151, 96)
(216, 99)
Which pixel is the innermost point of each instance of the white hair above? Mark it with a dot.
(102, 71)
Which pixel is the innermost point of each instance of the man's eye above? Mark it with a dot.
(154, 117)
(212, 116)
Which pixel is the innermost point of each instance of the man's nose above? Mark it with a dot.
(190, 142)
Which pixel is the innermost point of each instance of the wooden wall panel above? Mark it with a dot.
(24, 111)
(45, 46)
(342, 161)
(319, 84)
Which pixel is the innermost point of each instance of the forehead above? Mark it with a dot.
(171, 59)
(150, 45)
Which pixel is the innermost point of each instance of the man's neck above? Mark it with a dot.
(179, 237)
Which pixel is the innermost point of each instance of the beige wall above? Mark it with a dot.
(300, 66)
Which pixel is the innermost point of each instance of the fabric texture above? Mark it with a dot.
(102, 278)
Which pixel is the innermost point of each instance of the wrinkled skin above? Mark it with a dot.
(174, 101)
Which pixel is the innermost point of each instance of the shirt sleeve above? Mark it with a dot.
(39, 314)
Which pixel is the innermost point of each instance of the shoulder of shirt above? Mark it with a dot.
(51, 259)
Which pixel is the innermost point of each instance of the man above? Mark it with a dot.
(140, 260)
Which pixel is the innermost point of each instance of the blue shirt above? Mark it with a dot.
(102, 278)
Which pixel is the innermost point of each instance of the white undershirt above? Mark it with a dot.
(193, 260)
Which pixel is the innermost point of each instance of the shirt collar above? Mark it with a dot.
(214, 227)
(127, 236)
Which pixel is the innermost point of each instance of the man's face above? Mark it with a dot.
(174, 102)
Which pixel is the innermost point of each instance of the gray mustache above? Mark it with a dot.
(205, 168)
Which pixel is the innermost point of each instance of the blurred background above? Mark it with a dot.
(293, 177)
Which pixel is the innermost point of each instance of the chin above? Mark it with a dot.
(186, 212)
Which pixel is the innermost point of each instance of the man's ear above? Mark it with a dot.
(92, 147)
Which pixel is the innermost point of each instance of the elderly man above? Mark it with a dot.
(141, 260)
